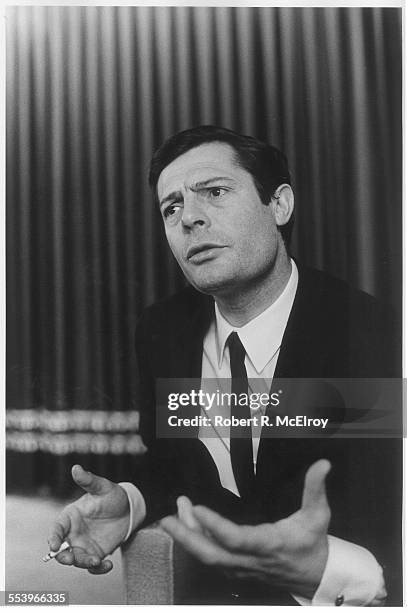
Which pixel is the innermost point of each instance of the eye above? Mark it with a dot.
(171, 210)
(216, 192)
(172, 214)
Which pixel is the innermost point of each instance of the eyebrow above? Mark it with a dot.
(214, 179)
(196, 187)
(171, 196)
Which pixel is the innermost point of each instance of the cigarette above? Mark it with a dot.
(50, 555)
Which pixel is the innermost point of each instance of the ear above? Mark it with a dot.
(282, 201)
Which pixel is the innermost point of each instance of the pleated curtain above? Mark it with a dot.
(91, 92)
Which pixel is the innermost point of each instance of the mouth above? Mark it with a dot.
(200, 252)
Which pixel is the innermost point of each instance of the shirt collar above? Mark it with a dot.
(262, 336)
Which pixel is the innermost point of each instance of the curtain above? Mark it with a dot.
(91, 92)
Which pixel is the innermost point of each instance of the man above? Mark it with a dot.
(255, 511)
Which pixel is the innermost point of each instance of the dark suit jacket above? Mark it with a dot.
(333, 332)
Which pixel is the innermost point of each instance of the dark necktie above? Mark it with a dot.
(241, 451)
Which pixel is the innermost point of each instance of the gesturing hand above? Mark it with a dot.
(290, 553)
(94, 525)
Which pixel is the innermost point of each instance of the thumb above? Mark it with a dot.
(185, 513)
(96, 485)
(314, 497)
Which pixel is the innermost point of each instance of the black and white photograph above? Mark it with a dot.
(204, 304)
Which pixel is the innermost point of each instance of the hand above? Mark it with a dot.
(289, 554)
(94, 525)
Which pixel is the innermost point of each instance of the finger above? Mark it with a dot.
(185, 512)
(197, 544)
(79, 559)
(236, 538)
(66, 557)
(85, 560)
(314, 495)
(103, 568)
(58, 531)
(96, 485)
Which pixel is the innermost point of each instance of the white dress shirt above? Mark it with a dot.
(261, 338)
(352, 574)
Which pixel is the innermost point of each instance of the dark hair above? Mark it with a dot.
(267, 165)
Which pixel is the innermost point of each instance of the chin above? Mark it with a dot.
(213, 285)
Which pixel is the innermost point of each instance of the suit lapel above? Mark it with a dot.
(188, 351)
(299, 357)
(178, 350)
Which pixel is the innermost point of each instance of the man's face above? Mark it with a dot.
(222, 235)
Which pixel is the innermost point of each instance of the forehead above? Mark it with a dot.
(200, 164)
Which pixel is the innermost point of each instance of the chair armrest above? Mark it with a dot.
(156, 570)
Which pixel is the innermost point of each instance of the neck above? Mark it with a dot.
(242, 306)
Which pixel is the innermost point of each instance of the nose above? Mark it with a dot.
(194, 214)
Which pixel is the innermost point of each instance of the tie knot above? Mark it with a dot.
(236, 350)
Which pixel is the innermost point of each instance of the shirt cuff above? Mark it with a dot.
(137, 507)
(352, 577)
